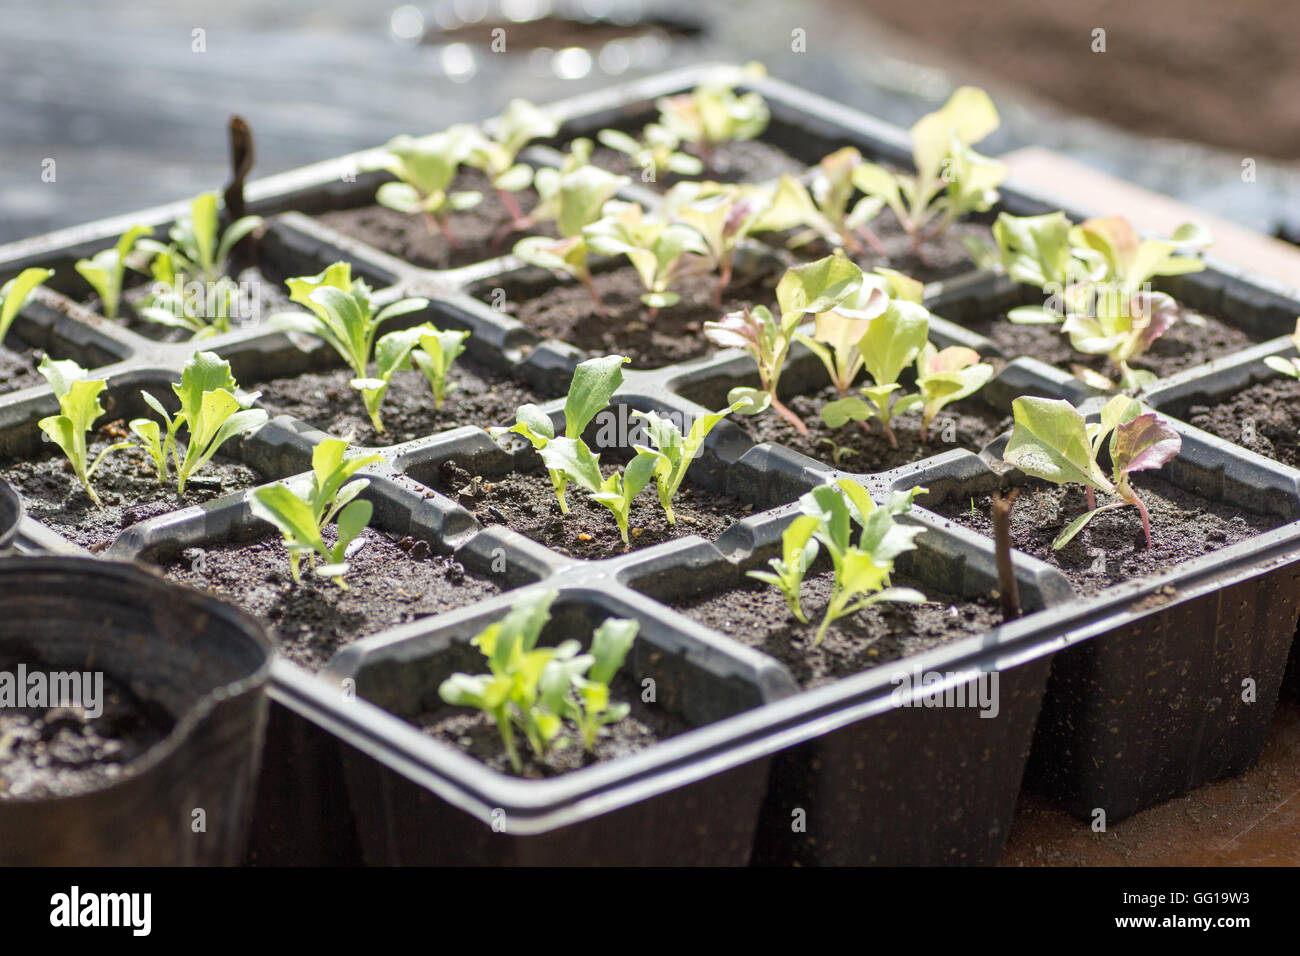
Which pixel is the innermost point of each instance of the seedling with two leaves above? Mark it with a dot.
(660, 251)
(829, 515)
(537, 689)
(342, 314)
(656, 150)
(332, 497)
(1289, 367)
(105, 271)
(496, 155)
(79, 409)
(675, 451)
(1052, 441)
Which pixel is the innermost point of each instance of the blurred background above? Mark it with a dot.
(130, 99)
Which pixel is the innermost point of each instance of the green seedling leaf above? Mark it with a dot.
(15, 293)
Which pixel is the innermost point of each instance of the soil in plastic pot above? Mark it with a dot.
(526, 503)
(1196, 338)
(61, 751)
(758, 615)
(125, 482)
(751, 161)
(1112, 549)
(326, 400)
(476, 734)
(965, 424)
(18, 369)
(475, 231)
(939, 257)
(565, 311)
(389, 582)
(1264, 418)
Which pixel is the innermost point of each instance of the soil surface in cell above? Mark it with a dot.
(526, 503)
(751, 161)
(327, 401)
(965, 424)
(18, 368)
(565, 311)
(126, 483)
(389, 582)
(758, 615)
(476, 734)
(48, 752)
(478, 233)
(261, 294)
(1196, 338)
(1264, 418)
(1111, 549)
(938, 257)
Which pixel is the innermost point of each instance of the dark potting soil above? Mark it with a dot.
(476, 734)
(410, 237)
(1112, 549)
(751, 161)
(389, 582)
(1194, 339)
(757, 615)
(963, 424)
(126, 483)
(526, 503)
(565, 311)
(1264, 418)
(940, 257)
(60, 751)
(18, 368)
(262, 294)
(327, 401)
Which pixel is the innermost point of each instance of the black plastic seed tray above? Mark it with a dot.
(876, 778)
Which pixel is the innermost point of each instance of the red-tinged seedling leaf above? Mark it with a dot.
(1145, 443)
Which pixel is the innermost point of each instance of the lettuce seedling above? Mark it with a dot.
(947, 375)
(593, 384)
(434, 355)
(521, 123)
(713, 114)
(425, 166)
(655, 150)
(15, 293)
(574, 196)
(862, 569)
(1288, 367)
(583, 698)
(211, 410)
(302, 518)
(814, 287)
(1123, 329)
(799, 549)
(204, 310)
(79, 408)
(951, 179)
(199, 247)
(343, 315)
(724, 214)
(833, 213)
(675, 451)
(572, 458)
(537, 688)
(1052, 441)
(892, 341)
(106, 269)
(657, 250)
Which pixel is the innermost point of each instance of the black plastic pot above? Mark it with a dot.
(205, 663)
(11, 515)
(848, 752)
